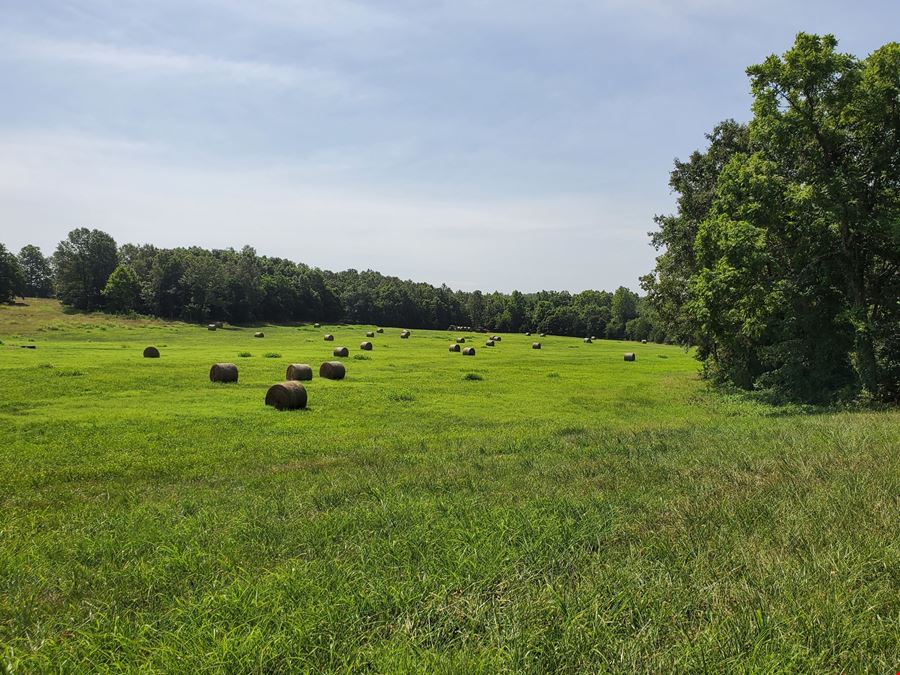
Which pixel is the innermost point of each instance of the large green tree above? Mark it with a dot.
(788, 270)
(38, 272)
(83, 263)
(12, 278)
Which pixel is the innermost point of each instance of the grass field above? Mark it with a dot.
(519, 510)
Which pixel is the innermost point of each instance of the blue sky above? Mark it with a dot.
(495, 144)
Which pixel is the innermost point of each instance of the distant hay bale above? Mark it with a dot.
(461, 340)
(259, 335)
(543, 335)
(454, 348)
(332, 370)
(587, 341)
(643, 342)
(469, 351)
(299, 371)
(404, 334)
(528, 334)
(211, 326)
(151, 353)
(629, 356)
(29, 346)
(219, 324)
(379, 330)
(370, 333)
(535, 345)
(488, 343)
(593, 337)
(223, 372)
(290, 395)
(365, 346)
(329, 337)
(497, 338)
(317, 325)
(341, 351)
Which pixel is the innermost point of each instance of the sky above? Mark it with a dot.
(492, 144)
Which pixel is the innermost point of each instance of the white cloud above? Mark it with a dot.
(135, 61)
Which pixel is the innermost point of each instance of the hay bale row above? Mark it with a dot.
(151, 353)
(223, 372)
(341, 351)
(290, 395)
(299, 371)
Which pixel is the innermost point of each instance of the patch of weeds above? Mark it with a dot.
(69, 373)
(661, 356)
(361, 357)
(472, 377)
(554, 375)
(46, 366)
(403, 396)
(272, 355)
(245, 355)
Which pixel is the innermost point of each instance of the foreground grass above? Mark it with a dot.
(566, 511)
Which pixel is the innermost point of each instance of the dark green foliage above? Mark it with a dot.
(12, 278)
(122, 292)
(783, 261)
(83, 263)
(38, 272)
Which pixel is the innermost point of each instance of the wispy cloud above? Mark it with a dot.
(136, 61)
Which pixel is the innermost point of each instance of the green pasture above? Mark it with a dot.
(516, 511)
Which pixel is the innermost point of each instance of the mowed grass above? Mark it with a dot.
(519, 510)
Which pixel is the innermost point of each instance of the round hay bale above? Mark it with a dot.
(461, 340)
(329, 338)
(370, 333)
(211, 326)
(223, 372)
(299, 371)
(587, 341)
(404, 334)
(341, 351)
(543, 335)
(469, 351)
(643, 342)
(151, 353)
(379, 330)
(332, 370)
(528, 334)
(629, 356)
(317, 325)
(497, 338)
(219, 324)
(593, 337)
(288, 395)
(365, 346)
(488, 343)
(535, 345)
(259, 334)
(454, 348)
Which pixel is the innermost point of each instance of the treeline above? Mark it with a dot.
(89, 271)
(782, 263)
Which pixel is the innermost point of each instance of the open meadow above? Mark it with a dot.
(519, 510)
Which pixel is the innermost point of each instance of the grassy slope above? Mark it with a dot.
(569, 511)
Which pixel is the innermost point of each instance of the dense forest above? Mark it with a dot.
(89, 271)
(781, 263)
